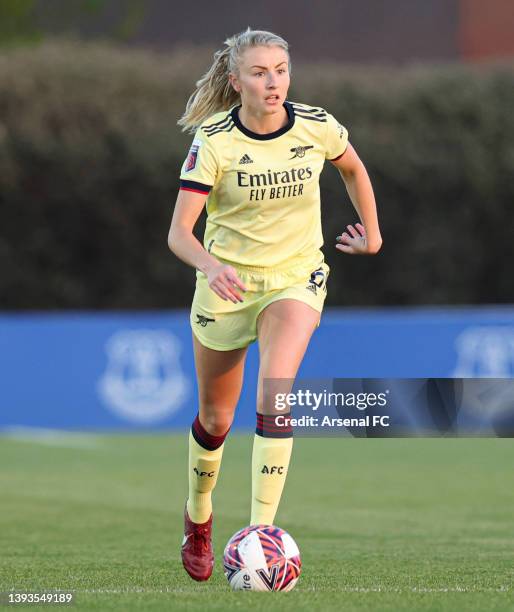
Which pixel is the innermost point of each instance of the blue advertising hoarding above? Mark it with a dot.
(123, 371)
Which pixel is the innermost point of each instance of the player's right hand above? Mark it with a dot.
(223, 280)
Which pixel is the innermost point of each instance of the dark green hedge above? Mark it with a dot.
(90, 154)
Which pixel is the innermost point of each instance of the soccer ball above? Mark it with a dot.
(262, 558)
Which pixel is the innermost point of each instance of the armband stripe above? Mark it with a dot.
(195, 187)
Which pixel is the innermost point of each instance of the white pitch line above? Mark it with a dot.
(51, 437)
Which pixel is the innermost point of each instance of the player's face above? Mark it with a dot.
(263, 79)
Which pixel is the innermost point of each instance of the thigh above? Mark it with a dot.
(284, 330)
(221, 325)
(220, 378)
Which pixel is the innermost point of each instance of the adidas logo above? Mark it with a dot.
(246, 159)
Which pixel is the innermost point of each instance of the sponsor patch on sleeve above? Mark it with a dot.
(192, 158)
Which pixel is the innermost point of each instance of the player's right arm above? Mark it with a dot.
(222, 279)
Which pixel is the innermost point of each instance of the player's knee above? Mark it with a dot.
(217, 424)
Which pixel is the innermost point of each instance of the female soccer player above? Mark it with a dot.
(255, 159)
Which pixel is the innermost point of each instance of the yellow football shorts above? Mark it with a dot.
(224, 326)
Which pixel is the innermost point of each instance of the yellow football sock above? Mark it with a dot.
(270, 461)
(204, 467)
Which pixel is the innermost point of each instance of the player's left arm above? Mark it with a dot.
(362, 238)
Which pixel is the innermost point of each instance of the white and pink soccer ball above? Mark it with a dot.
(262, 558)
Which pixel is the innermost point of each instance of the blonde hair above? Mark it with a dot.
(213, 92)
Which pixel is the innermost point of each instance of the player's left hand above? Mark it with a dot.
(354, 242)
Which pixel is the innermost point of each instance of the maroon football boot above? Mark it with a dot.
(197, 554)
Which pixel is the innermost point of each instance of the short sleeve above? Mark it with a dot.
(336, 139)
(200, 169)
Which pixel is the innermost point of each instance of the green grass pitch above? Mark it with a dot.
(418, 524)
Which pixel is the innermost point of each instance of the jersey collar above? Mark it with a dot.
(290, 122)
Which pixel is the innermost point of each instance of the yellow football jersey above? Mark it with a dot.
(263, 204)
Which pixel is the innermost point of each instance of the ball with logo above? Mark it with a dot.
(262, 558)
